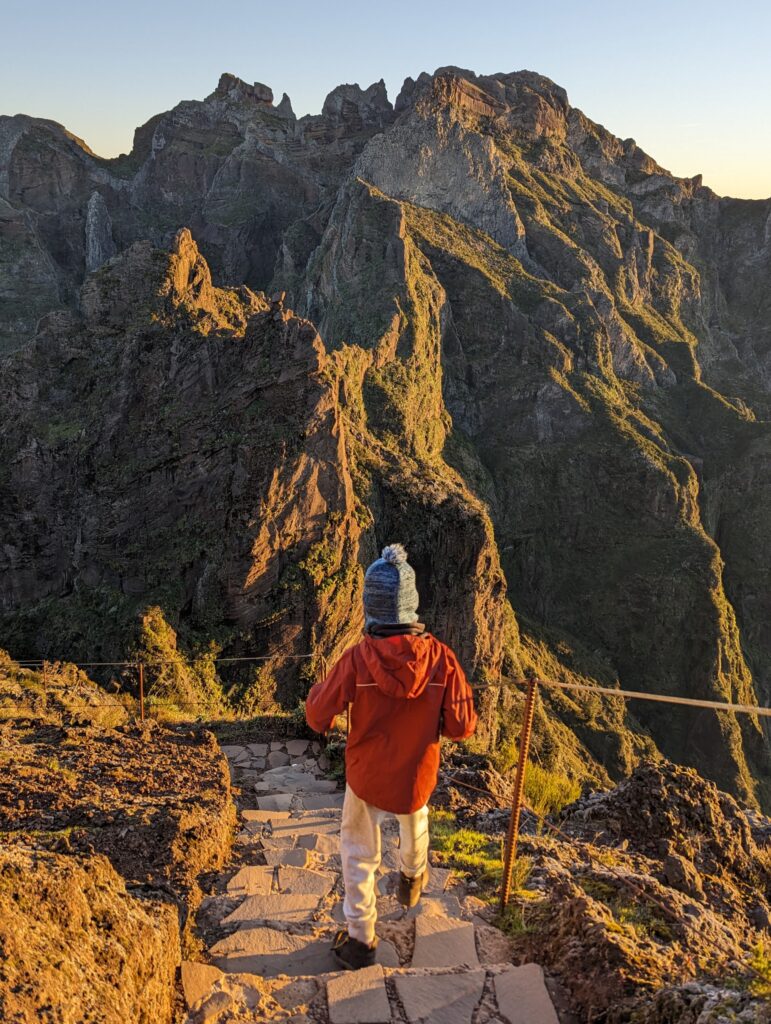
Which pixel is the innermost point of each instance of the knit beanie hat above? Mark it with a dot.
(390, 595)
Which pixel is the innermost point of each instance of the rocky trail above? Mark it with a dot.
(273, 911)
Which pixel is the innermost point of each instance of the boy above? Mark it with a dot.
(406, 689)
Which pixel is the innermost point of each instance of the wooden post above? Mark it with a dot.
(519, 789)
(141, 691)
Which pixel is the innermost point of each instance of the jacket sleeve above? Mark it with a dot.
(329, 698)
(459, 719)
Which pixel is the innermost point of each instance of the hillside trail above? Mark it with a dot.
(269, 923)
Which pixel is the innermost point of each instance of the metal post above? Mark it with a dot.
(141, 691)
(519, 789)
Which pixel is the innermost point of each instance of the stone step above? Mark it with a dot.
(326, 845)
(251, 880)
(321, 801)
(307, 823)
(522, 996)
(269, 952)
(275, 802)
(442, 999)
(297, 857)
(306, 784)
(258, 820)
(440, 942)
(359, 997)
(429, 996)
(276, 908)
(305, 880)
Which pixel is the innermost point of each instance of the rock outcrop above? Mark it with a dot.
(645, 902)
(107, 827)
(77, 947)
(538, 357)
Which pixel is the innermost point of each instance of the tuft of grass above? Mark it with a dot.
(53, 765)
(512, 921)
(547, 792)
(760, 962)
(640, 917)
(480, 855)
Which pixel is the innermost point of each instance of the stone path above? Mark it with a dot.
(269, 925)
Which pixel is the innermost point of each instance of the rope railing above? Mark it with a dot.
(503, 682)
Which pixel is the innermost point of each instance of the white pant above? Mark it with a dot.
(360, 852)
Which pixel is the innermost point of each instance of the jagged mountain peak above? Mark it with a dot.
(234, 88)
(145, 283)
(550, 351)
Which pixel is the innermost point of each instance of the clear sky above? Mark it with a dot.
(690, 81)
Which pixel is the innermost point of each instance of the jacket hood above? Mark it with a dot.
(402, 665)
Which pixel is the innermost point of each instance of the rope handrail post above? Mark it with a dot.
(512, 836)
(141, 667)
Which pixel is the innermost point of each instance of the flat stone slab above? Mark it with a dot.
(437, 881)
(273, 842)
(440, 942)
(257, 762)
(297, 858)
(318, 785)
(264, 816)
(277, 744)
(297, 747)
(359, 997)
(445, 905)
(258, 749)
(293, 779)
(233, 751)
(257, 821)
(197, 981)
(523, 997)
(287, 907)
(277, 757)
(443, 998)
(306, 826)
(322, 801)
(252, 880)
(386, 954)
(277, 802)
(304, 880)
(268, 952)
(326, 845)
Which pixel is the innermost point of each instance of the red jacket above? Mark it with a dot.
(404, 691)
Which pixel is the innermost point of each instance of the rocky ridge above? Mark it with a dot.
(538, 358)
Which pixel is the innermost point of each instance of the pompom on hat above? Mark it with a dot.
(390, 594)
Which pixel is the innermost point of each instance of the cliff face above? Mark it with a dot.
(522, 346)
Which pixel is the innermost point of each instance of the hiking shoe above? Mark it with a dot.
(410, 889)
(352, 954)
